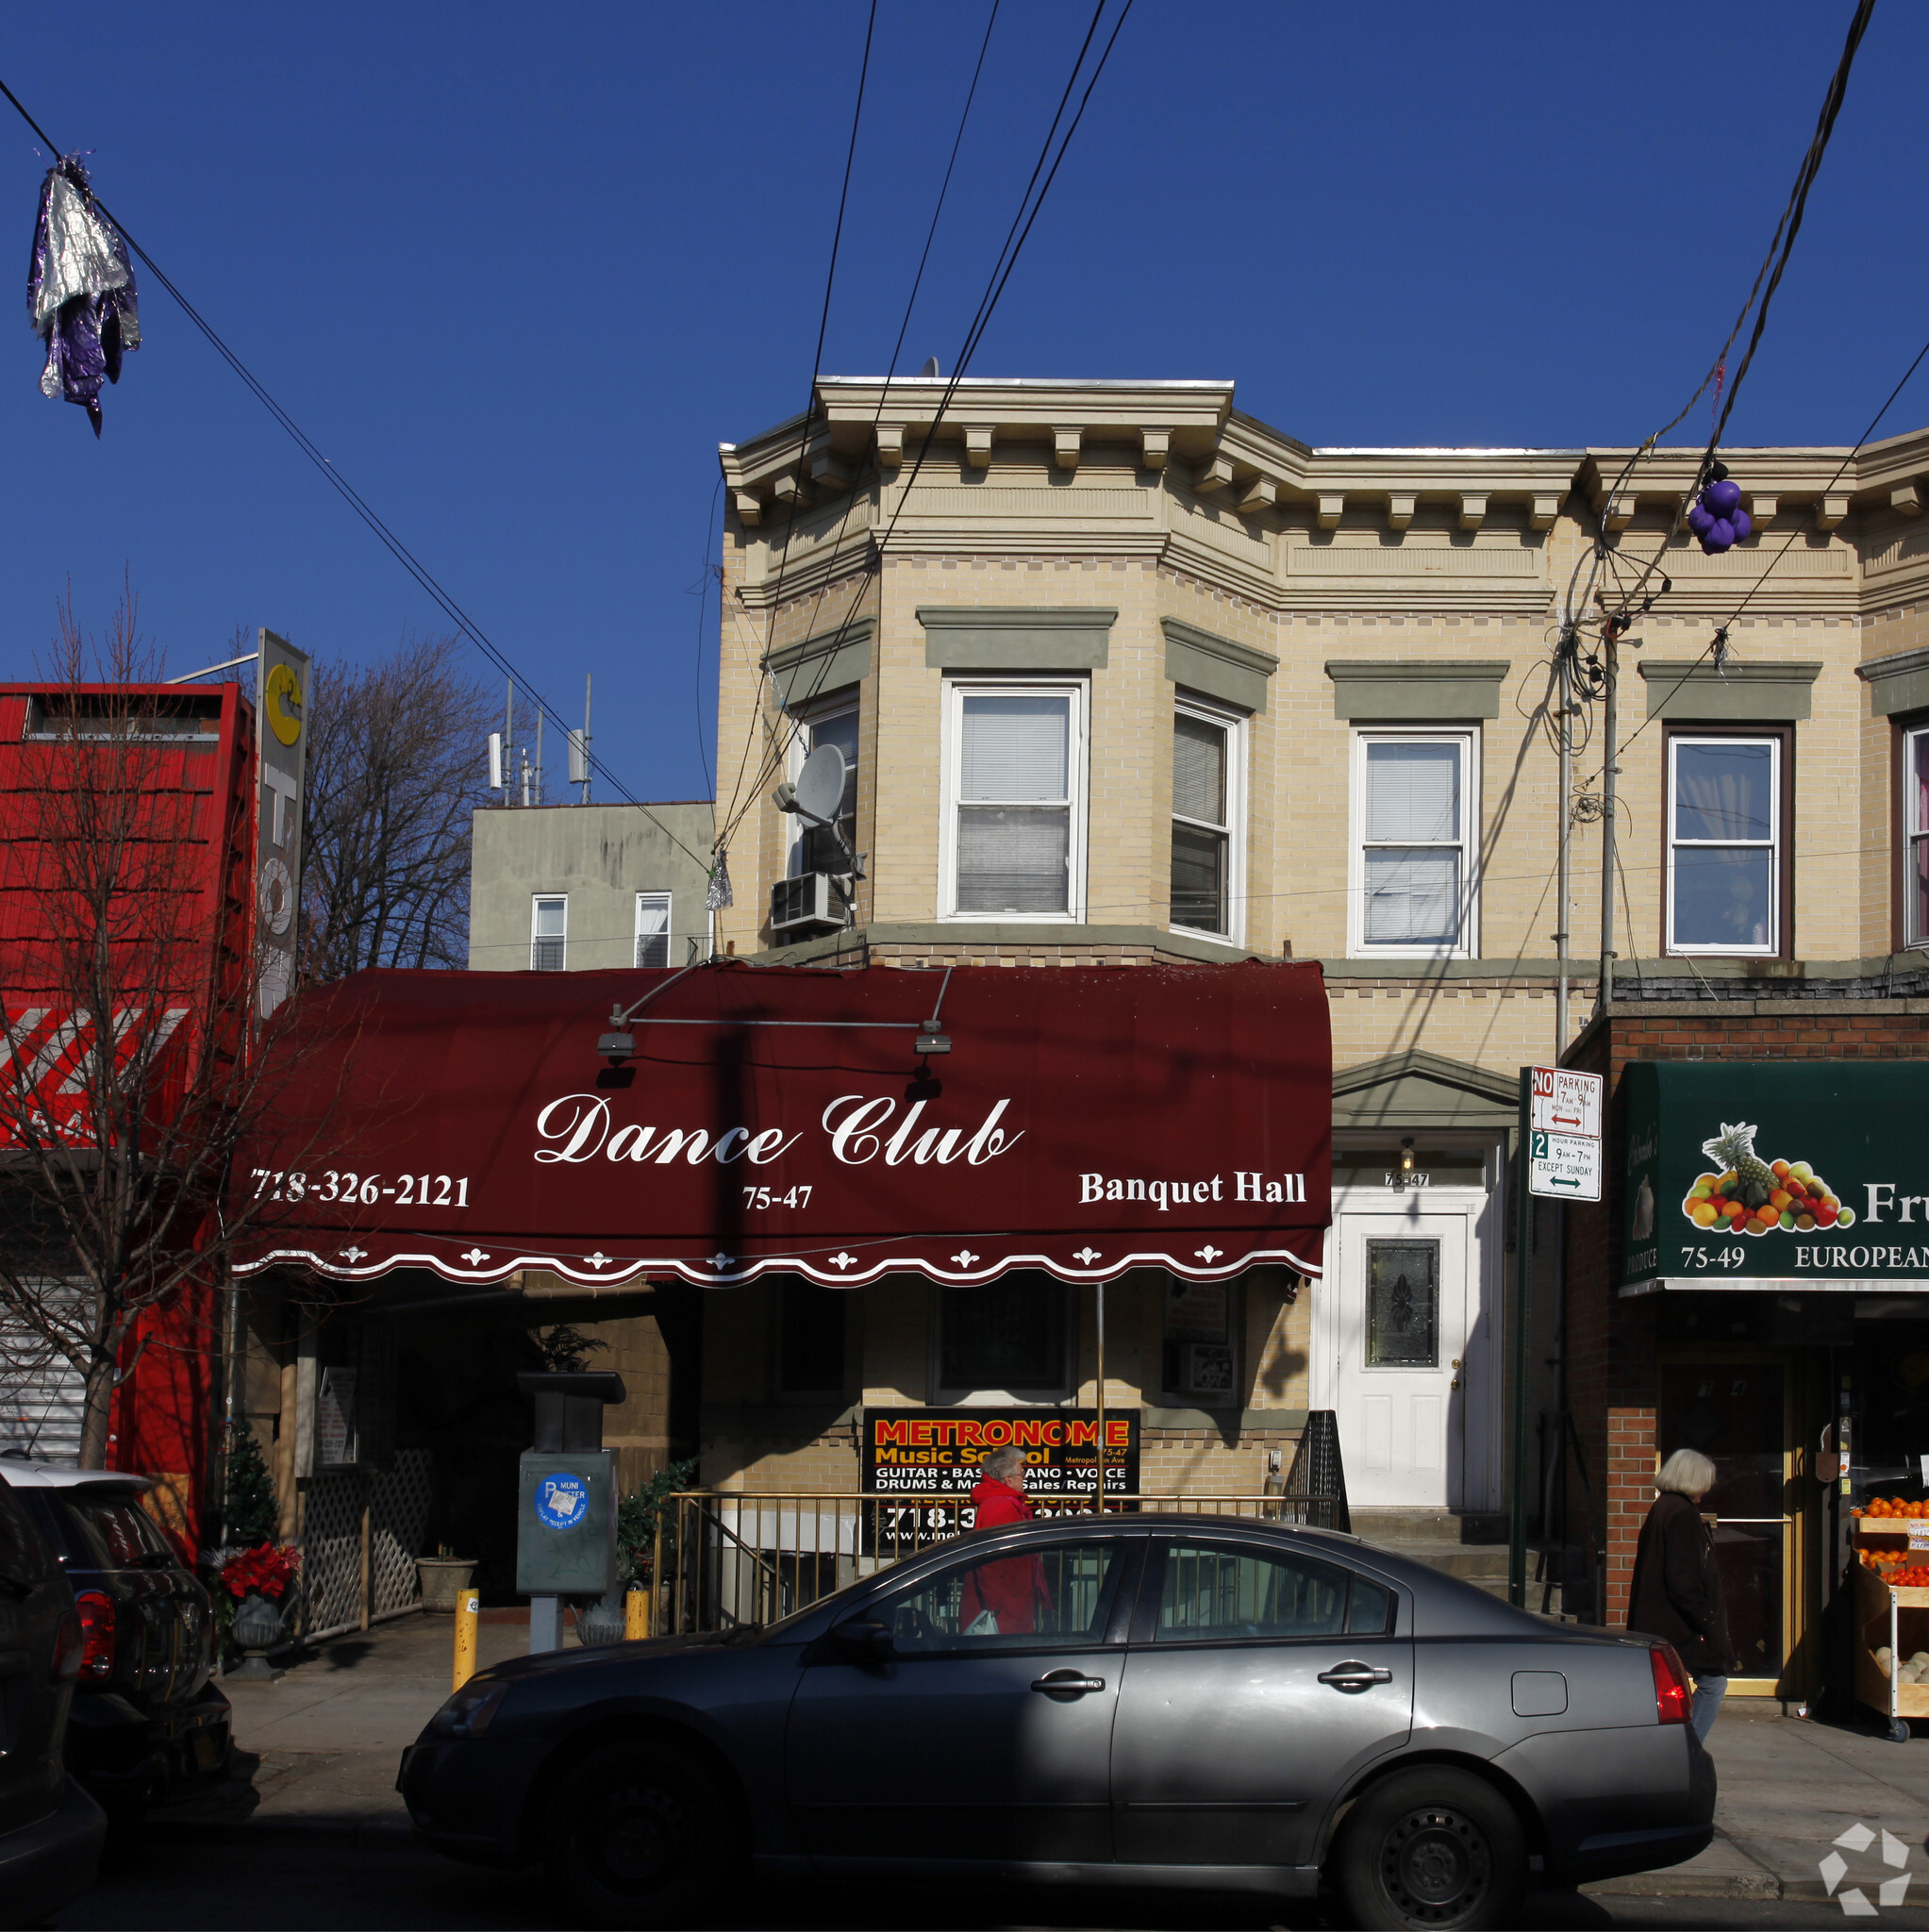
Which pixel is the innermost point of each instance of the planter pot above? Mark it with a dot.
(444, 1579)
(601, 1622)
(257, 1625)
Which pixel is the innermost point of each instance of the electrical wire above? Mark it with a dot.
(831, 279)
(382, 531)
(878, 416)
(1009, 256)
(1718, 644)
(1781, 243)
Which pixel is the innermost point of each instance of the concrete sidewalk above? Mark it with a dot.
(317, 1753)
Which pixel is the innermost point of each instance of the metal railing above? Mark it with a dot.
(726, 1558)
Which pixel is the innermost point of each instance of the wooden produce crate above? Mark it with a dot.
(1900, 1619)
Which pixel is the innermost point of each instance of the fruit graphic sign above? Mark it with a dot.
(1740, 1173)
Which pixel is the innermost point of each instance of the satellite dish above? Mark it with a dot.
(821, 785)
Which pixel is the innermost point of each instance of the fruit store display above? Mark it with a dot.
(1751, 1195)
(1915, 1671)
(1893, 1508)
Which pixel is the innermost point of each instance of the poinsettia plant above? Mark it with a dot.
(265, 1568)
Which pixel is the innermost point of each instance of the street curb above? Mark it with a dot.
(1755, 1885)
(320, 1829)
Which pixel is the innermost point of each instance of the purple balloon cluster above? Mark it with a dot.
(1718, 518)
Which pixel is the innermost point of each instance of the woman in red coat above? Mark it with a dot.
(1012, 1593)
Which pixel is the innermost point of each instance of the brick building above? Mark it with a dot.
(1123, 675)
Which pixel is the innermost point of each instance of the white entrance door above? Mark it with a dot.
(1410, 1357)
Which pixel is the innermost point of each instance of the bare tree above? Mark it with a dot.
(132, 1061)
(396, 764)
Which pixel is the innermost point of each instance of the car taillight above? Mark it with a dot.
(97, 1635)
(69, 1647)
(1671, 1698)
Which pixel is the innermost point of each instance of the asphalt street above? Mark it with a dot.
(154, 1879)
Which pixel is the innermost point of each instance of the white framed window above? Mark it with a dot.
(653, 928)
(1209, 885)
(812, 848)
(1916, 836)
(1415, 851)
(1725, 844)
(1014, 789)
(549, 915)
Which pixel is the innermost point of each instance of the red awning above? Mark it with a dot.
(781, 1120)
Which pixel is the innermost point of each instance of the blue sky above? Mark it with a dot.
(518, 271)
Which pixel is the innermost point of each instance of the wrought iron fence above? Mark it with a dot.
(726, 1558)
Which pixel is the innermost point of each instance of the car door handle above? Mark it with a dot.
(1353, 1676)
(1075, 1682)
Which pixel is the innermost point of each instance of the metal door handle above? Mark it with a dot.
(1353, 1676)
(1074, 1681)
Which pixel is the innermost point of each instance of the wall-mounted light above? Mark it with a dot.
(1406, 1157)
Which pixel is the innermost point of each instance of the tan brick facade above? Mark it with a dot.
(1167, 507)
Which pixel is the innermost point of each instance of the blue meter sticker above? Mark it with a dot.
(562, 1501)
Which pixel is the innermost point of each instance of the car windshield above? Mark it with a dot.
(778, 1626)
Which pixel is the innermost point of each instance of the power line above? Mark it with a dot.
(772, 755)
(383, 534)
(1001, 273)
(1781, 245)
(816, 360)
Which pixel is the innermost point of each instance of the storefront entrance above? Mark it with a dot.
(1734, 1407)
(1402, 1338)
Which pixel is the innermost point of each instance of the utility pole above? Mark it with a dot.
(1563, 938)
(1610, 632)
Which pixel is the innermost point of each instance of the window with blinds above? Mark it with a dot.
(1916, 835)
(1724, 841)
(1204, 813)
(548, 932)
(1413, 850)
(653, 928)
(1016, 757)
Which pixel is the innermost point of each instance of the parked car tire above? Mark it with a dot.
(639, 1834)
(1433, 1847)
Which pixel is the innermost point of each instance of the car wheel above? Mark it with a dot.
(639, 1835)
(1433, 1847)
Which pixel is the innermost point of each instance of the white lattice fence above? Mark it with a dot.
(398, 1515)
(331, 1555)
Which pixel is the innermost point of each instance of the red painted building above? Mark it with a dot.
(127, 819)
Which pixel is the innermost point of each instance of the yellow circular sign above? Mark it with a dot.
(284, 704)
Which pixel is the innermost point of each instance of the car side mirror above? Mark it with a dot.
(864, 1641)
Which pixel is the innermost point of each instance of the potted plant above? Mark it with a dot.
(261, 1578)
(444, 1577)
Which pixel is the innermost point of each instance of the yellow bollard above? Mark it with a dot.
(636, 1616)
(468, 1616)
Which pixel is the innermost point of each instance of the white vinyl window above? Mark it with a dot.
(1916, 836)
(1208, 814)
(1415, 847)
(548, 931)
(1724, 844)
(812, 848)
(653, 928)
(1014, 832)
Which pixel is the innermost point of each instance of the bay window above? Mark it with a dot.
(1014, 779)
(1207, 813)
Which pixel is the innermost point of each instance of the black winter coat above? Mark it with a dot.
(1676, 1592)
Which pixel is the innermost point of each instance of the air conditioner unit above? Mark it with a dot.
(811, 899)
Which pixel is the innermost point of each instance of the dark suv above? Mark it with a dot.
(148, 1726)
(50, 1830)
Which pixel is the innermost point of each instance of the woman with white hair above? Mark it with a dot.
(1676, 1592)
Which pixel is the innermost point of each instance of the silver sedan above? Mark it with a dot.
(1180, 1701)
